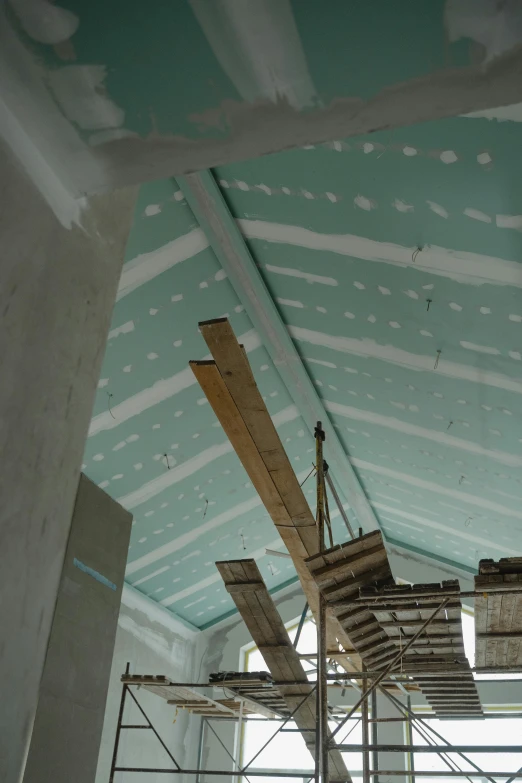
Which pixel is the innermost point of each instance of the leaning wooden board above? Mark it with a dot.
(231, 389)
(498, 615)
(245, 584)
(339, 573)
(401, 610)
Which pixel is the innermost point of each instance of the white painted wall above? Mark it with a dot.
(153, 641)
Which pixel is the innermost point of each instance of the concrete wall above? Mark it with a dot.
(153, 641)
(57, 287)
(71, 703)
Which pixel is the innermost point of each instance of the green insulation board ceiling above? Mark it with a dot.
(394, 262)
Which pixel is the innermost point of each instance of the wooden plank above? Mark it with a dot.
(280, 656)
(235, 370)
(498, 615)
(231, 390)
(220, 399)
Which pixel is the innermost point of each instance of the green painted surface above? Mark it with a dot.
(147, 51)
(126, 454)
(476, 327)
(450, 489)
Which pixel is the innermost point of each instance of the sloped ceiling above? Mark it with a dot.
(394, 261)
(128, 92)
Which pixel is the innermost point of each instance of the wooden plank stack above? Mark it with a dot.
(340, 572)
(401, 610)
(498, 615)
(379, 628)
(245, 584)
(231, 390)
(257, 689)
(186, 698)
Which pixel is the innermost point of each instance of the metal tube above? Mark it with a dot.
(449, 762)
(514, 776)
(347, 748)
(374, 730)
(118, 728)
(391, 665)
(279, 729)
(269, 773)
(337, 499)
(319, 437)
(138, 705)
(365, 747)
(300, 626)
(433, 731)
(322, 691)
(199, 760)
(409, 730)
(444, 773)
(435, 671)
(237, 738)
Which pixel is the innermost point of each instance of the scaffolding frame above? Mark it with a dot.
(369, 749)
(366, 681)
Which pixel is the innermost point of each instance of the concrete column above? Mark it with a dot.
(67, 730)
(57, 289)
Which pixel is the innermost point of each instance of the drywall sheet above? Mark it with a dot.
(71, 706)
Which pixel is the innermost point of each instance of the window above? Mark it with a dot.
(288, 750)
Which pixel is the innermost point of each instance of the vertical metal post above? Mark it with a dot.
(300, 626)
(200, 746)
(365, 739)
(322, 689)
(322, 737)
(319, 438)
(337, 499)
(375, 736)
(237, 738)
(118, 727)
(409, 734)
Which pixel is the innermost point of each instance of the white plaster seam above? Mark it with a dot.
(453, 531)
(149, 265)
(123, 329)
(160, 391)
(192, 535)
(464, 267)
(388, 353)
(190, 466)
(216, 577)
(464, 497)
(405, 428)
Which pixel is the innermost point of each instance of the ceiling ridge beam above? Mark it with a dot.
(208, 205)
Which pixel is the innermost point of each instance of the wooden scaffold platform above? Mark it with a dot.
(498, 615)
(380, 627)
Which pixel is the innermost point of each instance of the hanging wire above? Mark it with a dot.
(306, 479)
(109, 396)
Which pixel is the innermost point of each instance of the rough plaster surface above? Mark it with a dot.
(263, 127)
(56, 295)
(219, 126)
(71, 703)
(152, 642)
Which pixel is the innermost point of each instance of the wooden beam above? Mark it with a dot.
(231, 390)
(271, 637)
(208, 204)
